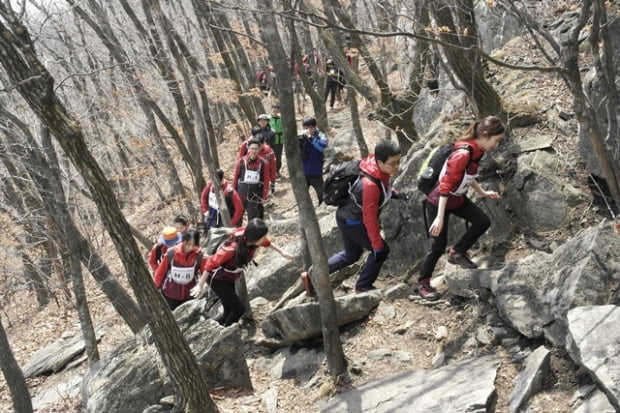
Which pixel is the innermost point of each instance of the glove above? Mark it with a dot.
(272, 185)
(382, 254)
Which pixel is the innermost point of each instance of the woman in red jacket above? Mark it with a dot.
(226, 266)
(449, 197)
(176, 277)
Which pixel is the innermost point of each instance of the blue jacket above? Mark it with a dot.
(311, 149)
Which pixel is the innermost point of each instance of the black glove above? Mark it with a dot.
(382, 254)
(272, 185)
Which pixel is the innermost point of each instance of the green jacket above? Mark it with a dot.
(275, 123)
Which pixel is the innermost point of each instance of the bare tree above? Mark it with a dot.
(34, 83)
(13, 376)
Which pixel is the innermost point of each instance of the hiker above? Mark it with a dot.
(251, 180)
(333, 81)
(228, 264)
(358, 218)
(179, 269)
(181, 224)
(169, 238)
(312, 143)
(449, 197)
(210, 208)
(275, 123)
(264, 134)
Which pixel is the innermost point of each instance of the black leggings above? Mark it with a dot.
(470, 212)
(316, 181)
(233, 306)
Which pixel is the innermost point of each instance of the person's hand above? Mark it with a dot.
(436, 227)
(381, 254)
(196, 291)
(286, 255)
(492, 195)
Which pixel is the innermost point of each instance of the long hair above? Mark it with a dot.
(255, 230)
(489, 126)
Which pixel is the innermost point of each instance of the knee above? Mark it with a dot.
(484, 223)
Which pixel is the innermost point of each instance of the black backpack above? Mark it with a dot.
(340, 181)
(431, 168)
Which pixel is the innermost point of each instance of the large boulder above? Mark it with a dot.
(132, 377)
(466, 386)
(302, 322)
(534, 294)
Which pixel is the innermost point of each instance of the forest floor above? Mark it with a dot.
(405, 325)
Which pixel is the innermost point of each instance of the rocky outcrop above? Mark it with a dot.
(302, 322)
(131, 377)
(467, 386)
(534, 294)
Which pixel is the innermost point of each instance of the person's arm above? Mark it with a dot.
(280, 251)
(484, 194)
(235, 220)
(370, 213)
(204, 198)
(243, 149)
(266, 177)
(235, 181)
(437, 224)
(161, 272)
(153, 258)
(319, 142)
(215, 261)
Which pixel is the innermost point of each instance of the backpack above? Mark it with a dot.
(433, 164)
(215, 238)
(337, 187)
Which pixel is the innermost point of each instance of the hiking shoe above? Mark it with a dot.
(305, 278)
(461, 259)
(426, 291)
(365, 289)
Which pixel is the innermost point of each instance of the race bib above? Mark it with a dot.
(182, 275)
(251, 177)
(213, 201)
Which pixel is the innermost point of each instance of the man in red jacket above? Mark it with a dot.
(358, 219)
(210, 208)
(251, 180)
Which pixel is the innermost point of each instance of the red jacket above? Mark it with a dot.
(258, 163)
(373, 197)
(266, 153)
(182, 259)
(225, 258)
(154, 260)
(457, 164)
(229, 193)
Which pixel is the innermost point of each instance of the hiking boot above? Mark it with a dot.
(305, 278)
(426, 291)
(461, 259)
(365, 289)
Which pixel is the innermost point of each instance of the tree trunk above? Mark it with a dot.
(327, 304)
(13, 376)
(36, 86)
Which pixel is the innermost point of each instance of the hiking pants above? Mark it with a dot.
(277, 150)
(355, 239)
(470, 212)
(331, 87)
(253, 209)
(232, 304)
(316, 181)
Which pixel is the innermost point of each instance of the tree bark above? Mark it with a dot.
(13, 376)
(327, 304)
(36, 86)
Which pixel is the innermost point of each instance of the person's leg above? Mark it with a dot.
(479, 220)
(316, 182)
(233, 306)
(352, 249)
(172, 303)
(437, 244)
(371, 268)
(277, 149)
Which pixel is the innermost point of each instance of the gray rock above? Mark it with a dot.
(467, 386)
(534, 293)
(597, 403)
(58, 392)
(397, 292)
(530, 379)
(303, 322)
(301, 364)
(56, 356)
(592, 343)
(131, 377)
